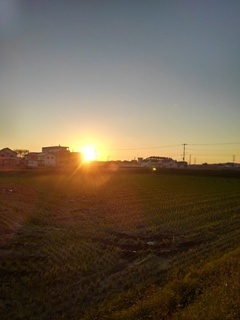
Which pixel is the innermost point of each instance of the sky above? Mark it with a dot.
(133, 78)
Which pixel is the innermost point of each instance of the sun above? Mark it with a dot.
(89, 153)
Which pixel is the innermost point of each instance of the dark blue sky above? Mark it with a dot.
(121, 75)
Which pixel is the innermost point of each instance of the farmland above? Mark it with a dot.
(119, 245)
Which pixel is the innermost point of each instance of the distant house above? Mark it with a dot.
(49, 159)
(56, 156)
(161, 162)
(34, 159)
(39, 159)
(8, 157)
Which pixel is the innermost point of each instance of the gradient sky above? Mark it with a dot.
(134, 78)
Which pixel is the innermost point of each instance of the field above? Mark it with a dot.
(119, 245)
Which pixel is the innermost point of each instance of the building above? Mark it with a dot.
(32, 159)
(8, 157)
(50, 159)
(55, 156)
(39, 159)
(55, 149)
(160, 162)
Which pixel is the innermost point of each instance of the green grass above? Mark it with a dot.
(119, 245)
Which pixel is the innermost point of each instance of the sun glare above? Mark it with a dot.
(89, 153)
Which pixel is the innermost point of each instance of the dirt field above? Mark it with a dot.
(119, 245)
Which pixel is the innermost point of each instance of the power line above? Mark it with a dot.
(176, 145)
(213, 155)
(196, 152)
(213, 144)
(145, 148)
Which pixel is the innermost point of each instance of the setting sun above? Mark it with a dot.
(89, 153)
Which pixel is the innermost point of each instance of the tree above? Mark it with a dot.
(21, 152)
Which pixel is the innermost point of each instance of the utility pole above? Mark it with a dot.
(190, 159)
(184, 145)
